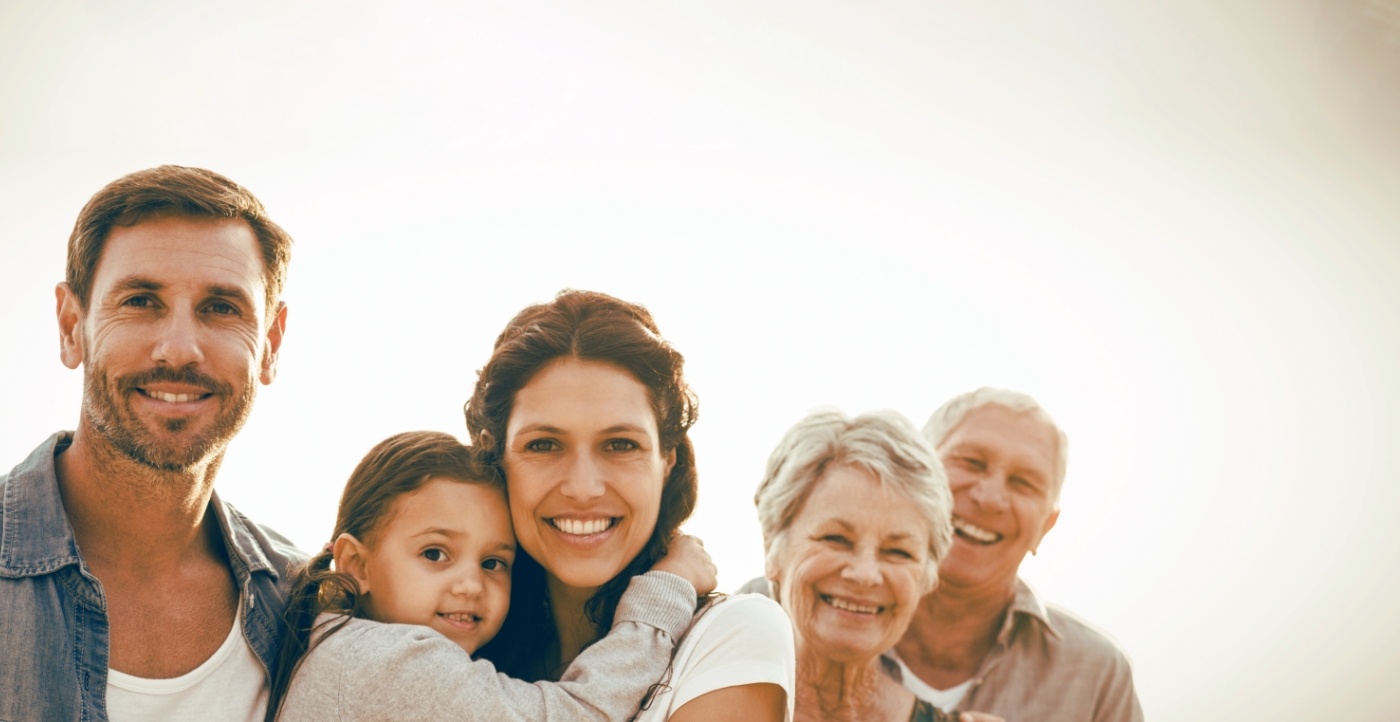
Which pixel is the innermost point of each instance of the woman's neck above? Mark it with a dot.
(830, 691)
(571, 623)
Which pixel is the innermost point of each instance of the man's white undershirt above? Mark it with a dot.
(230, 686)
(944, 699)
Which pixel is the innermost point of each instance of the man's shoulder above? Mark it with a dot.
(1083, 638)
(261, 543)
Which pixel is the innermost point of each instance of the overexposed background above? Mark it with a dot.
(1175, 223)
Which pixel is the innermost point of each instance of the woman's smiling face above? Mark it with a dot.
(584, 469)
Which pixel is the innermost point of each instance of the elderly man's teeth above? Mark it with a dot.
(975, 533)
(173, 398)
(850, 606)
(582, 527)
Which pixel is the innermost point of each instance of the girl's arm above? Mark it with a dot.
(387, 671)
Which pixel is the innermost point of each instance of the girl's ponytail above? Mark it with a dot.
(316, 589)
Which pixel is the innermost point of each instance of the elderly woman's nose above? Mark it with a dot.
(862, 568)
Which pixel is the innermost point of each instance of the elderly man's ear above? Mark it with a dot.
(1049, 524)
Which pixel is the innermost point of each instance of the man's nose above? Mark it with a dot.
(585, 480)
(177, 340)
(989, 492)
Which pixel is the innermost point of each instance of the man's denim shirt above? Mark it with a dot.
(53, 616)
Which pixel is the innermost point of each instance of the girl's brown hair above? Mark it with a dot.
(588, 326)
(398, 465)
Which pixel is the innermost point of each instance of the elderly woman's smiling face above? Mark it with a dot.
(852, 567)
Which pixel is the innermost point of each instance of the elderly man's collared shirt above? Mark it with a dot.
(53, 615)
(1048, 664)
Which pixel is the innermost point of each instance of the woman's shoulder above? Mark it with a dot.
(742, 609)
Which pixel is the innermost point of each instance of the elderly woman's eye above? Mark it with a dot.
(899, 553)
(836, 539)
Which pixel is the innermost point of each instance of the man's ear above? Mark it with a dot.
(1049, 524)
(276, 326)
(351, 556)
(70, 326)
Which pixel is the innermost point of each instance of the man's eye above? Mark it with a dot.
(434, 554)
(137, 302)
(223, 309)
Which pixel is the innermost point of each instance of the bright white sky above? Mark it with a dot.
(1174, 224)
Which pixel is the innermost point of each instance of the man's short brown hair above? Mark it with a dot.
(175, 191)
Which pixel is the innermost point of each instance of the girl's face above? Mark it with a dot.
(441, 557)
(584, 467)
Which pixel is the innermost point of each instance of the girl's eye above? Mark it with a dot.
(541, 445)
(495, 565)
(434, 554)
(622, 445)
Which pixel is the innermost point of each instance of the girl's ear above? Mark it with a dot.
(351, 557)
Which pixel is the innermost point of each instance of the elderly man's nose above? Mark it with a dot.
(989, 492)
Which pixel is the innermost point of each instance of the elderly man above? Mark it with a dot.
(128, 590)
(982, 639)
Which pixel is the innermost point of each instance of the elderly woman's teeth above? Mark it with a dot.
(850, 606)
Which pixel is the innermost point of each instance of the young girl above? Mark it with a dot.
(423, 552)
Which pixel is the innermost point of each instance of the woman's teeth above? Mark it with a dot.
(849, 606)
(582, 527)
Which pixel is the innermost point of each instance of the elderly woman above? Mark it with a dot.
(855, 516)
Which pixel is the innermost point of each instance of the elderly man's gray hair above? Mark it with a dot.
(952, 413)
(883, 443)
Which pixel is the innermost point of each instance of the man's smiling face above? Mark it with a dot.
(174, 338)
(1001, 468)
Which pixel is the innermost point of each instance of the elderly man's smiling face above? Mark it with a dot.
(1001, 468)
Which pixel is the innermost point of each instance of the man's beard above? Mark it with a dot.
(108, 410)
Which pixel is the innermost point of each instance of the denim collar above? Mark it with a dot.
(36, 538)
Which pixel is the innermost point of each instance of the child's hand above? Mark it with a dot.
(689, 561)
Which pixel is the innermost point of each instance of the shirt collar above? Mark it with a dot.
(38, 539)
(1025, 603)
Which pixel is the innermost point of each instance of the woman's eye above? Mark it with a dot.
(836, 539)
(622, 445)
(899, 553)
(541, 445)
(433, 554)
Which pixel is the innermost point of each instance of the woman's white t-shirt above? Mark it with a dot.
(737, 640)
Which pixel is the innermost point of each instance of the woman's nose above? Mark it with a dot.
(862, 569)
(585, 479)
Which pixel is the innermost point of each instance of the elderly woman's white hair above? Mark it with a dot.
(952, 413)
(883, 443)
